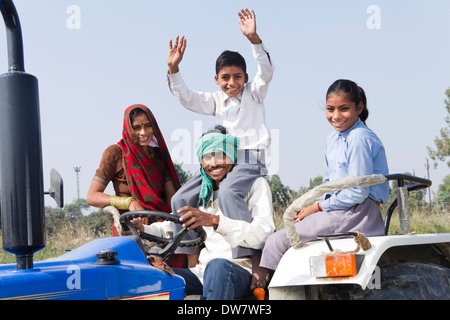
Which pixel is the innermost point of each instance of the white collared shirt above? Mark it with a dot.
(243, 116)
(232, 233)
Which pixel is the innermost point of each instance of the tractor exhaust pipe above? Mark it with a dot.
(21, 182)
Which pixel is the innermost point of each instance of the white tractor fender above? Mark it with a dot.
(294, 268)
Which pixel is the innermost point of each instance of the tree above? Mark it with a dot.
(99, 222)
(317, 181)
(313, 182)
(443, 194)
(442, 150)
(281, 196)
(54, 217)
(182, 175)
(415, 198)
(72, 213)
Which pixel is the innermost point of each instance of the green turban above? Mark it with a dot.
(211, 143)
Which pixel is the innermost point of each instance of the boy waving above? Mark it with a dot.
(239, 107)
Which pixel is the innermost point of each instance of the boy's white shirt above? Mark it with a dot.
(231, 233)
(243, 116)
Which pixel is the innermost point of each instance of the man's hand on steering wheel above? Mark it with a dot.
(132, 220)
(194, 218)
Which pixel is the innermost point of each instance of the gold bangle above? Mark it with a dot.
(120, 203)
(129, 199)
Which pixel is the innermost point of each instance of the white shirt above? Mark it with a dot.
(243, 116)
(231, 233)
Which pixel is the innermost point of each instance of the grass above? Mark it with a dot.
(422, 222)
(67, 237)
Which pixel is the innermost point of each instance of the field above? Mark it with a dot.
(66, 238)
(421, 222)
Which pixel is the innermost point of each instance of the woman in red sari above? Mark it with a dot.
(140, 168)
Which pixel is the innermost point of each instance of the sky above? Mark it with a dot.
(93, 59)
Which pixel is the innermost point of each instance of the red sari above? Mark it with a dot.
(145, 181)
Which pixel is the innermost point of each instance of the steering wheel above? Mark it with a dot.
(170, 244)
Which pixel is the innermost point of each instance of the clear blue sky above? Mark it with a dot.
(88, 76)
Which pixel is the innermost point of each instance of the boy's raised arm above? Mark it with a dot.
(247, 21)
(176, 52)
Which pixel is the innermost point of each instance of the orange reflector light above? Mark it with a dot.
(334, 265)
(340, 265)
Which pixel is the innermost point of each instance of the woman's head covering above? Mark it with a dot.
(211, 143)
(145, 181)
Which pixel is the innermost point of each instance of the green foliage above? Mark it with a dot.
(98, 222)
(75, 215)
(422, 222)
(282, 196)
(442, 143)
(415, 199)
(182, 175)
(314, 182)
(442, 200)
(66, 228)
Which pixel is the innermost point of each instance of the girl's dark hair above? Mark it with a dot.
(230, 58)
(135, 113)
(355, 93)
